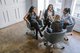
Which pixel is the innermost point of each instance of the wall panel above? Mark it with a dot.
(13, 11)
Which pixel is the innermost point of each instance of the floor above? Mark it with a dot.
(14, 40)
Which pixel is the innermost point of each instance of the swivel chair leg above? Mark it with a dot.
(66, 39)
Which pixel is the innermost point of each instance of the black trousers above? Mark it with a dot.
(47, 22)
(35, 24)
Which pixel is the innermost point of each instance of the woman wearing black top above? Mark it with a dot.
(32, 18)
(48, 16)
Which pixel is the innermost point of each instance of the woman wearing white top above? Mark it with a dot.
(66, 18)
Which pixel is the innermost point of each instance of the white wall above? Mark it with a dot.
(66, 3)
(12, 11)
(40, 4)
(35, 3)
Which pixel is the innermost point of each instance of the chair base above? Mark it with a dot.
(46, 44)
(66, 39)
(62, 48)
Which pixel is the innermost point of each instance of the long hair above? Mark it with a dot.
(49, 6)
(30, 12)
(67, 10)
(31, 9)
(46, 12)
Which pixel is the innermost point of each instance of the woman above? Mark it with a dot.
(33, 19)
(48, 15)
(56, 25)
(66, 18)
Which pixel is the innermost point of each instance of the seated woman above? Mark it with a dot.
(66, 18)
(32, 18)
(56, 25)
(48, 15)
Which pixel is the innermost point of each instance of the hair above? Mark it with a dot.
(49, 6)
(56, 17)
(46, 12)
(31, 9)
(67, 10)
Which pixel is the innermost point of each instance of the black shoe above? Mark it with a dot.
(62, 48)
(41, 35)
(36, 38)
(42, 29)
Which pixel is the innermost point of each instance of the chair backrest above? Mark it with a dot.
(70, 27)
(54, 37)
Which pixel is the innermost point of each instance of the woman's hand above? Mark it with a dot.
(65, 22)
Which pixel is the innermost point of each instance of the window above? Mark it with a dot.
(76, 9)
(57, 5)
(40, 5)
(43, 4)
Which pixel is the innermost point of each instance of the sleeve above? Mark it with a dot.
(62, 18)
(70, 20)
(53, 13)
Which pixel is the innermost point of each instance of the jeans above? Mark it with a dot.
(46, 23)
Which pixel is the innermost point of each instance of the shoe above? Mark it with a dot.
(62, 48)
(36, 38)
(41, 35)
(42, 38)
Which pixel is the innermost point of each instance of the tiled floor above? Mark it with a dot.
(14, 40)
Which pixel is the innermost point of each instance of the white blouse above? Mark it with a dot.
(67, 18)
(50, 16)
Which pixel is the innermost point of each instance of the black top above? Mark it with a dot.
(46, 14)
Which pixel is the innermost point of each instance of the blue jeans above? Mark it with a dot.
(49, 30)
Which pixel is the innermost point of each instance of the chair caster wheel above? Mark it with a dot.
(62, 48)
(71, 34)
(45, 44)
(66, 39)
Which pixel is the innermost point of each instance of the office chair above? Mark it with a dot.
(54, 38)
(70, 29)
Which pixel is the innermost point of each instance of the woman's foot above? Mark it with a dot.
(36, 38)
(41, 35)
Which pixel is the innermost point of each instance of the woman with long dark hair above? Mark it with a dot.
(48, 16)
(32, 18)
(66, 18)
